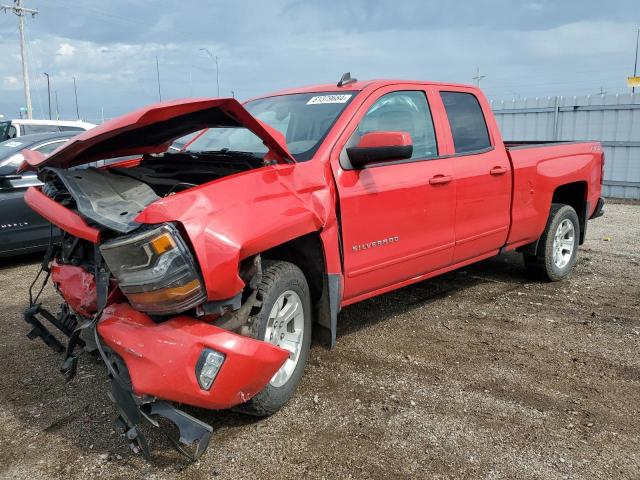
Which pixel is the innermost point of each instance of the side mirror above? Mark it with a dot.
(380, 146)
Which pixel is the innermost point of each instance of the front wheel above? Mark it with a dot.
(558, 246)
(284, 320)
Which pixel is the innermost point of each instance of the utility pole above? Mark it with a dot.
(158, 73)
(635, 65)
(206, 50)
(75, 91)
(57, 110)
(20, 11)
(478, 77)
(48, 93)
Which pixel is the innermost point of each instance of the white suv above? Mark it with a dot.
(19, 127)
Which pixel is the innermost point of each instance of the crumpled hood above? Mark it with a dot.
(152, 129)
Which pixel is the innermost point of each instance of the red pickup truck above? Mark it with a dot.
(200, 277)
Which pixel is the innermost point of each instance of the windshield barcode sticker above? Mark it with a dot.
(328, 99)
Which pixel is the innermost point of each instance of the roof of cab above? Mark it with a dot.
(360, 85)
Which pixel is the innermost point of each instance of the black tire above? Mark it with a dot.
(277, 278)
(541, 265)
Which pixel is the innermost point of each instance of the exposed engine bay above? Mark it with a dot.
(114, 196)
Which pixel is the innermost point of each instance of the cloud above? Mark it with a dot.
(10, 82)
(66, 50)
(540, 47)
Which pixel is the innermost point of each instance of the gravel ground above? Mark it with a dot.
(479, 373)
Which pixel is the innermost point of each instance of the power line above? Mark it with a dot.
(20, 11)
(208, 52)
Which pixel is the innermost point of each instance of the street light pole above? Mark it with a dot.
(635, 65)
(75, 91)
(206, 50)
(48, 93)
(217, 76)
(158, 73)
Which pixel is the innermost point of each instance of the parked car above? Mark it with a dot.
(200, 274)
(21, 229)
(19, 127)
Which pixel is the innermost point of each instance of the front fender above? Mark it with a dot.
(235, 217)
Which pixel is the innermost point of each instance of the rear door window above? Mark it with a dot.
(467, 122)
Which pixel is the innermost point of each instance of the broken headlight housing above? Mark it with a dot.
(155, 270)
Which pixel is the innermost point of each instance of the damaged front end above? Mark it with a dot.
(132, 302)
(135, 293)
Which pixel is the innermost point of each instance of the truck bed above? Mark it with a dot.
(538, 168)
(515, 144)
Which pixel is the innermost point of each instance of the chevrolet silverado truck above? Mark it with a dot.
(200, 277)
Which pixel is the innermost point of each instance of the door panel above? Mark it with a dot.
(483, 176)
(483, 202)
(21, 228)
(397, 218)
(395, 225)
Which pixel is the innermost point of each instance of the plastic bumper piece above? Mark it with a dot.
(161, 358)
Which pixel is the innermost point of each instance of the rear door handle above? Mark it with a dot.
(440, 179)
(498, 171)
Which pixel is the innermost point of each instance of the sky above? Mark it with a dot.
(523, 48)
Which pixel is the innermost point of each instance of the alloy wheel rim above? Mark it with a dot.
(285, 329)
(563, 243)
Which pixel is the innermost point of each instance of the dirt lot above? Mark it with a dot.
(480, 373)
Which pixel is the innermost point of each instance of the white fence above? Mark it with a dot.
(612, 119)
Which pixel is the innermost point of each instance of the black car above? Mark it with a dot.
(21, 229)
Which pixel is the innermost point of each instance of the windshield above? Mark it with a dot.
(303, 118)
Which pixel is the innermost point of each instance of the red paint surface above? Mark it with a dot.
(126, 135)
(161, 358)
(385, 139)
(59, 215)
(31, 158)
(77, 287)
(443, 211)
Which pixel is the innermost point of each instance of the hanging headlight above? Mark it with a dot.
(155, 270)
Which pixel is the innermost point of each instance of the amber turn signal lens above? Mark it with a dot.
(162, 244)
(166, 294)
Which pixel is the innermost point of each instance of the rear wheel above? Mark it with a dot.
(284, 320)
(558, 245)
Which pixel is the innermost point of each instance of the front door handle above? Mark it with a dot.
(498, 171)
(440, 179)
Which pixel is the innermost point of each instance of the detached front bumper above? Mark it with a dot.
(161, 358)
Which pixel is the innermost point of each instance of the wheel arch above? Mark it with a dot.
(308, 253)
(575, 195)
